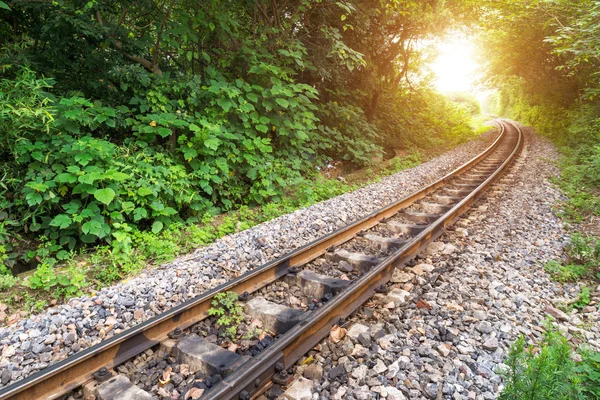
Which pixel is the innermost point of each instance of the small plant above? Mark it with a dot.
(584, 298)
(589, 370)
(565, 273)
(66, 284)
(583, 249)
(543, 372)
(228, 311)
(254, 332)
(549, 370)
(583, 260)
(7, 281)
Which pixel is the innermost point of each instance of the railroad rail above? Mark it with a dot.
(398, 232)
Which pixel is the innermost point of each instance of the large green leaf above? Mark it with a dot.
(157, 226)
(105, 196)
(62, 221)
(144, 191)
(283, 103)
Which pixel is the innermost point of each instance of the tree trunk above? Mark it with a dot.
(370, 111)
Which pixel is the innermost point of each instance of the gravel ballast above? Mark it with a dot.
(35, 343)
(445, 327)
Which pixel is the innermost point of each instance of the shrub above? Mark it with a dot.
(7, 281)
(547, 371)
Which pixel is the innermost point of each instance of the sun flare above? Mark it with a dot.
(455, 67)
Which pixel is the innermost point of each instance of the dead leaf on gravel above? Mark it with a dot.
(194, 394)
(166, 376)
(233, 347)
(423, 304)
(336, 334)
(344, 277)
(184, 369)
(262, 335)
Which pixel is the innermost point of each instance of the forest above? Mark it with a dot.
(128, 126)
(126, 120)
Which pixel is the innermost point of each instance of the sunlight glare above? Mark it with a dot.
(455, 67)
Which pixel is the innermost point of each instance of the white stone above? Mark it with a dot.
(422, 269)
(394, 394)
(301, 389)
(398, 296)
(379, 367)
(356, 330)
(360, 372)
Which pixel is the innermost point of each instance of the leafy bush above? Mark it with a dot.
(566, 273)
(548, 371)
(583, 260)
(124, 126)
(7, 281)
(584, 298)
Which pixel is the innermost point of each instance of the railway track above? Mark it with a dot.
(327, 279)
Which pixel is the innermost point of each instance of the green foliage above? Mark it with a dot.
(123, 126)
(466, 100)
(584, 298)
(228, 311)
(546, 371)
(566, 273)
(589, 370)
(543, 58)
(583, 260)
(583, 249)
(7, 281)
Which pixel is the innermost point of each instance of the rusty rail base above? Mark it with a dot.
(76, 370)
(288, 349)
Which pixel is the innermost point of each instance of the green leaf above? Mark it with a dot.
(211, 25)
(157, 226)
(105, 196)
(283, 103)
(247, 107)
(139, 213)
(301, 135)
(116, 175)
(63, 255)
(92, 227)
(164, 132)
(65, 177)
(212, 143)
(4, 5)
(262, 128)
(62, 221)
(225, 103)
(127, 206)
(83, 158)
(144, 191)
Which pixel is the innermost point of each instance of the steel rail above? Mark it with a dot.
(288, 349)
(74, 371)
